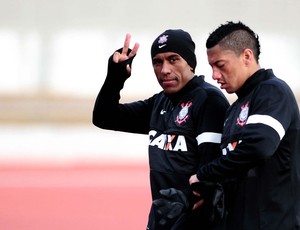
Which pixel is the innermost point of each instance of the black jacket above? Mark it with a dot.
(184, 129)
(261, 147)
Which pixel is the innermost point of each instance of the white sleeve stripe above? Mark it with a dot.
(269, 121)
(209, 137)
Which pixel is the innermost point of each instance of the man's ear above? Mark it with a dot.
(248, 56)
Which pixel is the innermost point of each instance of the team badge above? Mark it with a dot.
(162, 39)
(242, 119)
(184, 112)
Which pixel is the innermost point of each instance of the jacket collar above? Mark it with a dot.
(253, 81)
(192, 84)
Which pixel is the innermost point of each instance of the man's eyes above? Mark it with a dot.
(220, 65)
(156, 61)
(173, 59)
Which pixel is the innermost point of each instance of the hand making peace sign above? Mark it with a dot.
(119, 57)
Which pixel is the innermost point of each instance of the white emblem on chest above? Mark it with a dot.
(241, 120)
(184, 112)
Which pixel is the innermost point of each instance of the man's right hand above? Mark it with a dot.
(119, 57)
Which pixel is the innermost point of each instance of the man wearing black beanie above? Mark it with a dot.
(184, 123)
(176, 41)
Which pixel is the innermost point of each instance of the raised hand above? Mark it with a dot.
(119, 57)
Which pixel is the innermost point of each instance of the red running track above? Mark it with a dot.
(74, 198)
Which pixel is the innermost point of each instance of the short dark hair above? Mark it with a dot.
(236, 37)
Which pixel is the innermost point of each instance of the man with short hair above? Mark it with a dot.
(260, 166)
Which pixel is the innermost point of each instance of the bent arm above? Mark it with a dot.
(260, 140)
(109, 114)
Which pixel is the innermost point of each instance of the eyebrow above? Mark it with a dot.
(174, 55)
(169, 56)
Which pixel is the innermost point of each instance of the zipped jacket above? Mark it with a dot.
(261, 162)
(184, 128)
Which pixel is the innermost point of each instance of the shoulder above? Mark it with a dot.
(211, 92)
(274, 87)
(208, 88)
(207, 96)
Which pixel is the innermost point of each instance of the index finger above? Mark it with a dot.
(126, 44)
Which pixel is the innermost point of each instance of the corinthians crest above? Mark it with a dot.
(242, 119)
(162, 39)
(184, 112)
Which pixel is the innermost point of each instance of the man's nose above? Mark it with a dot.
(165, 68)
(216, 74)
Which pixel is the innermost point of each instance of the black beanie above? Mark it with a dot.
(177, 41)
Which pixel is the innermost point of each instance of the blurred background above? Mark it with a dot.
(53, 61)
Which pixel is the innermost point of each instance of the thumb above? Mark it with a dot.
(116, 57)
